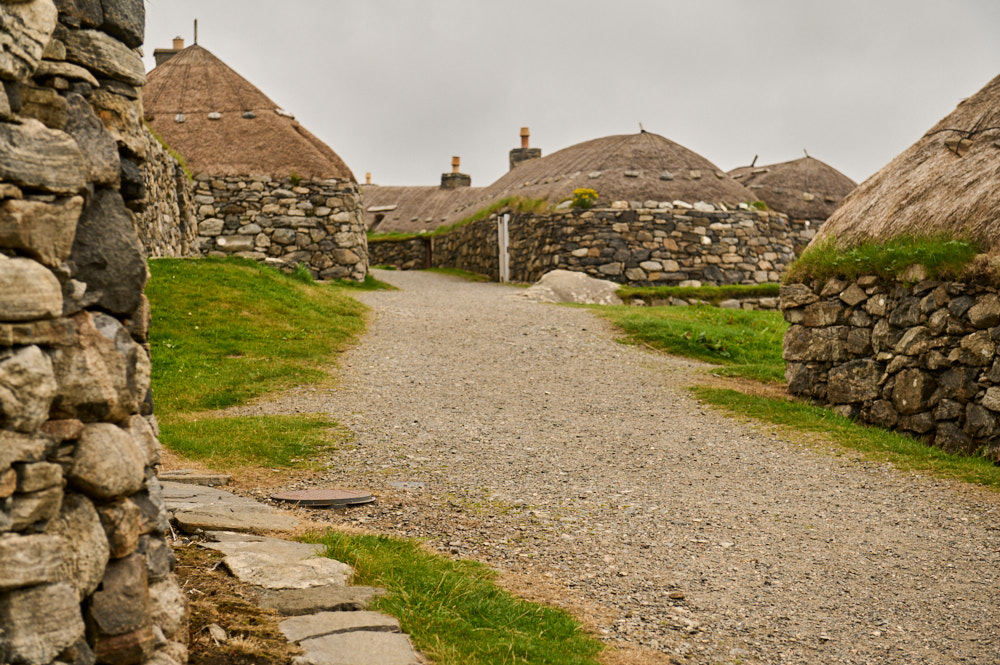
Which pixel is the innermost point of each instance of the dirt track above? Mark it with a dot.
(529, 439)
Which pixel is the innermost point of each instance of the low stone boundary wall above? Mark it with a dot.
(652, 245)
(317, 223)
(409, 254)
(918, 358)
(168, 226)
(754, 303)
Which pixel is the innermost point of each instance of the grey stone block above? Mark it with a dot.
(310, 626)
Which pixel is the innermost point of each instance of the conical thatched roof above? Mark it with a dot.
(631, 167)
(948, 182)
(414, 209)
(802, 188)
(195, 83)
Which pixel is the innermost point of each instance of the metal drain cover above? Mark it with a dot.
(335, 498)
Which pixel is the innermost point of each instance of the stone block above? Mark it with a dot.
(126, 20)
(853, 295)
(28, 291)
(122, 522)
(17, 447)
(43, 230)
(796, 295)
(361, 647)
(142, 433)
(107, 463)
(859, 342)
(119, 615)
(235, 243)
(211, 227)
(25, 29)
(914, 341)
(920, 423)
(980, 423)
(912, 391)
(309, 626)
(155, 518)
(294, 602)
(99, 148)
(986, 312)
(950, 437)
(822, 314)
(122, 117)
(883, 413)
(39, 622)
(959, 383)
(975, 350)
(855, 381)
(105, 55)
(802, 344)
(36, 476)
(27, 389)
(991, 400)
(81, 13)
(36, 157)
(160, 559)
(168, 607)
(30, 559)
(27, 509)
(44, 105)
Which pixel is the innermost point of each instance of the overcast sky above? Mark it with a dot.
(397, 87)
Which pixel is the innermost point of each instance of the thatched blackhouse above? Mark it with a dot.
(909, 351)
(266, 187)
(804, 189)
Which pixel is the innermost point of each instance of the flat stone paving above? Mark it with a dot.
(197, 508)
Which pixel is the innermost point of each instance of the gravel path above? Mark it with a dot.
(522, 435)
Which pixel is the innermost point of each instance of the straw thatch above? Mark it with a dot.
(414, 209)
(802, 188)
(195, 83)
(947, 183)
(631, 167)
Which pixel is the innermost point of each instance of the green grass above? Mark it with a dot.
(873, 443)
(746, 343)
(458, 272)
(943, 257)
(512, 202)
(265, 441)
(712, 294)
(370, 284)
(454, 612)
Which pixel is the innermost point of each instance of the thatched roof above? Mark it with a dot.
(414, 209)
(802, 188)
(631, 167)
(195, 83)
(948, 182)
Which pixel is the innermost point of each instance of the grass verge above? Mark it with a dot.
(454, 612)
(712, 294)
(745, 343)
(458, 272)
(874, 443)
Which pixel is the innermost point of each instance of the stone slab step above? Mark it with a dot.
(196, 508)
(361, 648)
(311, 626)
(192, 478)
(293, 602)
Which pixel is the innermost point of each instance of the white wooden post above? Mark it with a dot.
(503, 237)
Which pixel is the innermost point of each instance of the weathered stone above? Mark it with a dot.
(278, 564)
(876, 305)
(975, 350)
(36, 476)
(912, 391)
(914, 341)
(107, 254)
(168, 606)
(859, 341)
(361, 647)
(31, 559)
(160, 559)
(804, 344)
(27, 388)
(39, 622)
(853, 295)
(235, 243)
(198, 508)
(137, 324)
(126, 20)
(796, 295)
(107, 463)
(119, 614)
(921, 423)
(310, 626)
(854, 381)
(99, 148)
(44, 230)
(883, 413)
(78, 524)
(104, 55)
(81, 13)
(17, 447)
(960, 305)
(78, 653)
(348, 257)
(36, 157)
(938, 321)
(25, 28)
(8, 483)
(986, 312)
(950, 437)
(63, 430)
(142, 433)
(122, 522)
(948, 410)
(906, 313)
(980, 423)
(44, 105)
(832, 287)
(67, 70)
(122, 117)
(294, 602)
(28, 291)
(29, 508)
(822, 314)
(991, 400)
(959, 383)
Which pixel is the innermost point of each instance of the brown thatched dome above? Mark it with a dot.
(229, 127)
(802, 188)
(632, 167)
(948, 182)
(414, 209)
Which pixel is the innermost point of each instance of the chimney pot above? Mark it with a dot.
(525, 135)
(368, 178)
(178, 43)
(455, 162)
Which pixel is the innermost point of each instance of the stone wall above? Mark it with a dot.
(317, 223)
(656, 244)
(409, 254)
(919, 358)
(85, 570)
(168, 226)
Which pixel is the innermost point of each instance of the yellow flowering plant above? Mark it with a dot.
(584, 198)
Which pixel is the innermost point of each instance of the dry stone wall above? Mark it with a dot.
(317, 223)
(919, 358)
(408, 254)
(642, 244)
(85, 570)
(168, 226)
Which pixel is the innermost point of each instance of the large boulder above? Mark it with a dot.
(567, 286)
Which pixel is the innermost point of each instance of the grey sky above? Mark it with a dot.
(397, 87)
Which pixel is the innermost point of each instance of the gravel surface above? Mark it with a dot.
(523, 435)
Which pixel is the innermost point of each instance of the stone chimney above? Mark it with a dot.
(455, 179)
(164, 54)
(368, 178)
(524, 153)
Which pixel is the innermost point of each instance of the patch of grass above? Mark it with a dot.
(944, 257)
(712, 294)
(454, 612)
(227, 330)
(383, 267)
(223, 443)
(395, 236)
(370, 284)
(874, 443)
(458, 272)
(747, 343)
(302, 274)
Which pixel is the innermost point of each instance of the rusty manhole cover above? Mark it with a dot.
(328, 498)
